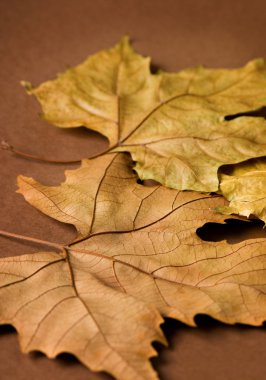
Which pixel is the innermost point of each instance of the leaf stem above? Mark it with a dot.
(6, 146)
(27, 238)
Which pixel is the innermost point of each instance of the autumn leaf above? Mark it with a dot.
(244, 185)
(137, 258)
(57, 305)
(173, 124)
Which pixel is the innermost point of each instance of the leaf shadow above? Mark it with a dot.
(81, 133)
(67, 360)
(7, 330)
(261, 112)
(206, 326)
(64, 360)
(233, 231)
(155, 68)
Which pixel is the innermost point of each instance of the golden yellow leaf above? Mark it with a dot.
(173, 124)
(137, 258)
(244, 185)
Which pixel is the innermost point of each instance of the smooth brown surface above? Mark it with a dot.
(39, 39)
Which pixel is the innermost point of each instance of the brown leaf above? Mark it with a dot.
(173, 124)
(138, 256)
(57, 306)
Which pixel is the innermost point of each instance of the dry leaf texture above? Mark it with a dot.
(173, 124)
(138, 258)
(244, 185)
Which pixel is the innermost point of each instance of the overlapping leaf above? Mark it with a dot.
(244, 185)
(173, 124)
(137, 256)
(102, 297)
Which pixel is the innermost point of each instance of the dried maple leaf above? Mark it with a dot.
(244, 185)
(173, 124)
(137, 257)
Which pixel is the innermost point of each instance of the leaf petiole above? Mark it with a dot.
(6, 146)
(27, 238)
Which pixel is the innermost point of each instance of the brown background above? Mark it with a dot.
(41, 38)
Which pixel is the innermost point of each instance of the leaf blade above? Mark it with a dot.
(135, 110)
(244, 187)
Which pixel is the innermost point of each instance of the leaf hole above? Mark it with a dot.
(261, 112)
(233, 231)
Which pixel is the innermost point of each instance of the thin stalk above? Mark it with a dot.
(6, 146)
(30, 239)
